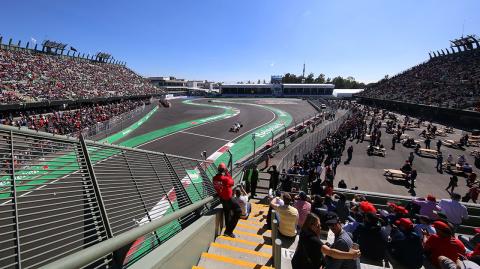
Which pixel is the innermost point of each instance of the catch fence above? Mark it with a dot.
(59, 195)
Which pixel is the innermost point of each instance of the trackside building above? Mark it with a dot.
(276, 89)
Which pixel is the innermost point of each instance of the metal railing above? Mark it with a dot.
(106, 128)
(60, 195)
(281, 141)
(297, 151)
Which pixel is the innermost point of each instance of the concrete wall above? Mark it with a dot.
(184, 249)
(462, 119)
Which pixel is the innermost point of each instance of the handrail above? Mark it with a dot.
(65, 138)
(95, 252)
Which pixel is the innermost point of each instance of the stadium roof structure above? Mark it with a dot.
(49, 44)
(466, 42)
(104, 55)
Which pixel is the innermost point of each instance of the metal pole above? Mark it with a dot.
(277, 255)
(96, 188)
(272, 137)
(139, 194)
(285, 137)
(254, 145)
(15, 203)
(231, 160)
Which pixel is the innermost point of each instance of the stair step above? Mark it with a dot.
(243, 243)
(252, 237)
(253, 229)
(252, 222)
(209, 260)
(240, 253)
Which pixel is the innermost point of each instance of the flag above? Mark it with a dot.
(34, 40)
(73, 49)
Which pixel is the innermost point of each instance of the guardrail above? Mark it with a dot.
(60, 195)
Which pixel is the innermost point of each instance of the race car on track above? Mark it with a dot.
(236, 127)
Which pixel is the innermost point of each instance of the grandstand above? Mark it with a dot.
(30, 75)
(450, 79)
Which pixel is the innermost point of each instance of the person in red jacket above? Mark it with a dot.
(223, 184)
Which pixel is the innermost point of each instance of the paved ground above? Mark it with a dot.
(366, 172)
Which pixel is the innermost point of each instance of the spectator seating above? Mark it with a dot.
(70, 121)
(448, 81)
(31, 76)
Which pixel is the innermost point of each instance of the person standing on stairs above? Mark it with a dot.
(223, 183)
(274, 175)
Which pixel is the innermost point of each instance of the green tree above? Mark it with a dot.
(320, 78)
(310, 78)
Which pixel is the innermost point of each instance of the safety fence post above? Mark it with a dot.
(15, 203)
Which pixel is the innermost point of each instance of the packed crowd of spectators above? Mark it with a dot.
(28, 76)
(70, 121)
(447, 81)
(419, 233)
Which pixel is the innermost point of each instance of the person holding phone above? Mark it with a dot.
(223, 183)
(311, 250)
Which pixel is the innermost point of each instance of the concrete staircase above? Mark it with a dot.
(252, 247)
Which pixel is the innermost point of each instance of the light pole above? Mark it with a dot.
(253, 138)
(272, 137)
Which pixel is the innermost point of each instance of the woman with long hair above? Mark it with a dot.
(310, 249)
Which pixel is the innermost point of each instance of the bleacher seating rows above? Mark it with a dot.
(448, 81)
(31, 76)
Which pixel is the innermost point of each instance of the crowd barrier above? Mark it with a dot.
(106, 128)
(307, 145)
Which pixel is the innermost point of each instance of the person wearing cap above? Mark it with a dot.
(453, 210)
(405, 246)
(311, 251)
(428, 206)
(443, 243)
(303, 206)
(343, 241)
(223, 183)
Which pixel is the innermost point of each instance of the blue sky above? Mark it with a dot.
(226, 40)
